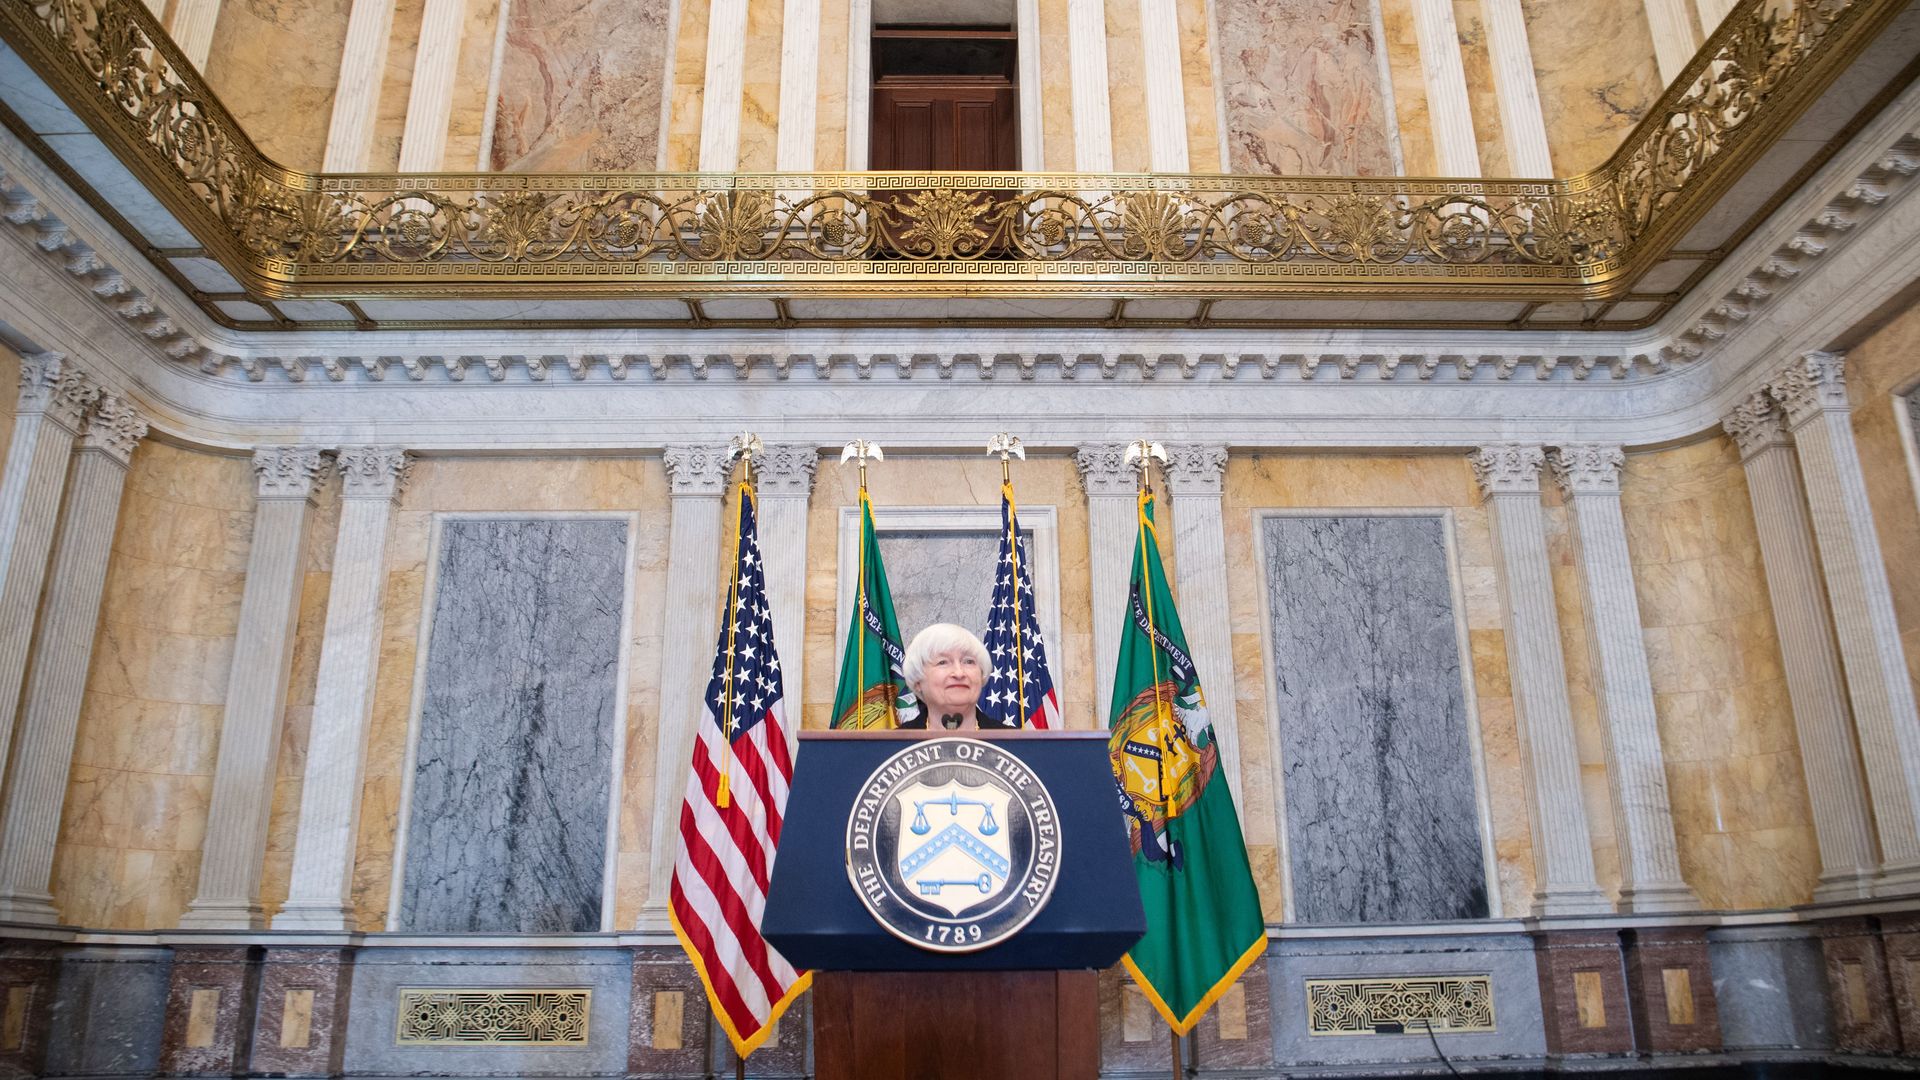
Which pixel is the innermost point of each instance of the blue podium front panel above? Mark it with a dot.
(817, 921)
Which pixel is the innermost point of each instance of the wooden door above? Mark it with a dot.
(957, 123)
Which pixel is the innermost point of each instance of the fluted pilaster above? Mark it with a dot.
(191, 28)
(57, 680)
(1674, 42)
(1650, 879)
(1165, 90)
(319, 892)
(698, 475)
(721, 91)
(356, 98)
(55, 397)
(1836, 786)
(1455, 149)
(423, 142)
(1112, 524)
(1087, 75)
(786, 487)
(1812, 391)
(1509, 477)
(799, 90)
(1194, 478)
(228, 896)
(1514, 85)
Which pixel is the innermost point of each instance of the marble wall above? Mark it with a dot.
(128, 855)
(490, 484)
(1594, 63)
(1740, 810)
(1127, 88)
(514, 755)
(1879, 369)
(1589, 735)
(1354, 482)
(941, 576)
(1381, 815)
(688, 64)
(760, 87)
(396, 83)
(580, 85)
(275, 65)
(472, 84)
(1302, 85)
(938, 481)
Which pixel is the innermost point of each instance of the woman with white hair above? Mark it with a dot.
(946, 666)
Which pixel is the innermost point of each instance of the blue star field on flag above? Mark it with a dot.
(1019, 658)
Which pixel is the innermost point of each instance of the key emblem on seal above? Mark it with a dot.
(953, 844)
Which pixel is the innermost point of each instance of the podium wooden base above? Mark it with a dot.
(956, 1025)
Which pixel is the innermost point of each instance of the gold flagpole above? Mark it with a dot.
(859, 450)
(1008, 446)
(742, 448)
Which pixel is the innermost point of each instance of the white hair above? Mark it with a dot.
(938, 640)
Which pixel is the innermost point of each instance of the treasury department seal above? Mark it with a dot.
(953, 844)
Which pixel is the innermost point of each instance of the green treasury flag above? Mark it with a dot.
(872, 693)
(1203, 913)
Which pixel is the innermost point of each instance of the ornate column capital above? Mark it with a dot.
(1507, 468)
(54, 385)
(1104, 469)
(788, 468)
(696, 469)
(1587, 468)
(114, 427)
(1196, 468)
(1814, 382)
(288, 472)
(1756, 424)
(373, 472)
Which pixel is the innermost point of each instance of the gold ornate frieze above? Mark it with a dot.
(487, 1016)
(1409, 1004)
(285, 233)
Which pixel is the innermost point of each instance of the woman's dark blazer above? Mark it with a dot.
(987, 723)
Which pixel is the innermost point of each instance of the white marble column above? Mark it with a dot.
(1166, 92)
(1514, 85)
(1456, 152)
(55, 396)
(1092, 115)
(191, 28)
(698, 475)
(320, 892)
(1813, 392)
(1113, 522)
(356, 96)
(786, 486)
(1564, 883)
(1673, 40)
(63, 649)
(285, 479)
(1650, 878)
(1712, 12)
(1836, 787)
(724, 85)
(1194, 475)
(799, 94)
(423, 142)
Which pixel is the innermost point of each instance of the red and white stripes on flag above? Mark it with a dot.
(730, 821)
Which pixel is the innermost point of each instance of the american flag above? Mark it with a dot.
(730, 821)
(1013, 635)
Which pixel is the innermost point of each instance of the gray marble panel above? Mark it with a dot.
(942, 576)
(1382, 824)
(108, 1008)
(379, 974)
(1508, 959)
(1770, 985)
(507, 827)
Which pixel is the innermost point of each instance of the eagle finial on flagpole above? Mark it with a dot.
(1006, 445)
(862, 451)
(1141, 454)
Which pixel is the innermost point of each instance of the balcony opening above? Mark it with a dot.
(945, 98)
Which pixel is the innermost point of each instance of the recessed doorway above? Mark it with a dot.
(945, 98)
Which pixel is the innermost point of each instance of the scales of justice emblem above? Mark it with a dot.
(953, 844)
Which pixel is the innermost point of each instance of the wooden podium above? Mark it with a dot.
(883, 1008)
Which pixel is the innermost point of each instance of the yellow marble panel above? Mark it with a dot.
(1056, 87)
(296, 1020)
(689, 76)
(1589, 1001)
(1489, 137)
(1409, 89)
(1595, 68)
(1126, 88)
(1677, 986)
(13, 1027)
(396, 84)
(830, 119)
(1196, 76)
(1734, 776)
(275, 67)
(760, 90)
(669, 1016)
(470, 77)
(1879, 369)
